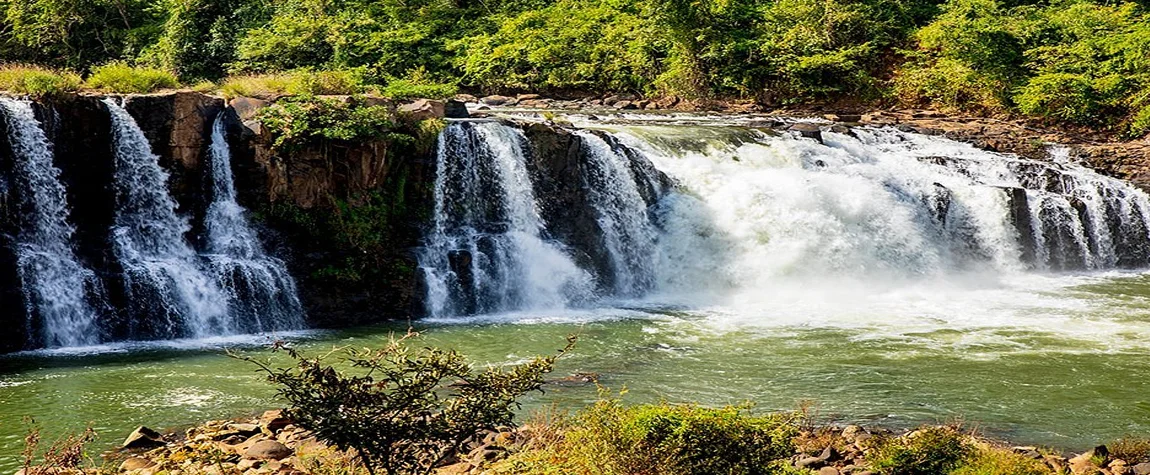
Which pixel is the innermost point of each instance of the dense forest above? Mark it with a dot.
(1067, 61)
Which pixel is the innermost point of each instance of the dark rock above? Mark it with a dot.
(143, 438)
(808, 130)
(274, 420)
(268, 450)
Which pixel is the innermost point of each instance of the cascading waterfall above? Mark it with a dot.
(486, 251)
(758, 214)
(171, 295)
(55, 284)
(261, 292)
(626, 231)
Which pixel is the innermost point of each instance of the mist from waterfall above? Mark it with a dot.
(262, 294)
(170, 292)
(55, 284)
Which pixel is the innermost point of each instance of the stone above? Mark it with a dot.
(1140, 469)
(454, 469)
(422, 109)
(495, 100)
(268, 450)
(624, 105)
(528, 97)
(274, 420)
(808, 130)
(454, 109)
(810, 462)
(249, 463)
(135, 463)
(245, 429)
(828, 471)
(143, 438)
(247, 107)
(465, 98)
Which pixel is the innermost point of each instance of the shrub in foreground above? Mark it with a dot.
(929, 451)
(403, 410)
(124, 78)
(36, 81)
(298, 121)
(609, 438)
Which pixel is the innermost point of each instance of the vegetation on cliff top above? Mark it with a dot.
(1069, 61)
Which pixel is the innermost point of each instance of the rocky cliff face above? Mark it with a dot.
(313, 207)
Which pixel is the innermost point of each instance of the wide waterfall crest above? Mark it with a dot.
(170, 292)
(56, 286)
(261, 292)
(486, 250)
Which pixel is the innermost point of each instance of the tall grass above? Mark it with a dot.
(36, 81)
(119, 77)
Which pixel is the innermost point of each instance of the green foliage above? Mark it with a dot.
(37, 81)
(609, 438)
(1132, 450)
(927, 451)
(119, 77)
(571, 44)
(992, 461)
(403, 410)
(299, 121)
(418, 85)
(76, 34)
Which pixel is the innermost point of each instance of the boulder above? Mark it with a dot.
(423, 109)
(143, 438)
(134, 463)
(454, 109)
(807, 130)
(1140, 469)
(268, 450)
(247, 107)
(274, 420)
(496, 100)
(465, 98)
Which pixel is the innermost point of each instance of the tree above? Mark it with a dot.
(405, 410)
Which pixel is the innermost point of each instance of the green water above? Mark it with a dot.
(1074, 373)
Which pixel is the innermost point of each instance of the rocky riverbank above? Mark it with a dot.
(273, 444)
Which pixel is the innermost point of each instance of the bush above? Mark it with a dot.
(298, 121)
(36, 81)
(1131, 450)
(993, 461)
(119, 77)
(418, 85)
(952, 85)
(1063, 96)
(302, 82)
(608, 438)
(927, 451)
(403, 410)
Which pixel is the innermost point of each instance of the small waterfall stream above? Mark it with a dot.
(55, 284)
(172, 295)
(626, 230)
(261, 292)
(486, 251)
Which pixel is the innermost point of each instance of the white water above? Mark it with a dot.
(54, 282)
(626, 231)
(261, 293)
(485, 251)
(171, 293)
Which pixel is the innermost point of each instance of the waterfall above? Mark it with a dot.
(261, 292)
(625, 229)
(485, 251)
(171, 295)
(874, 207)
(56, 285)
